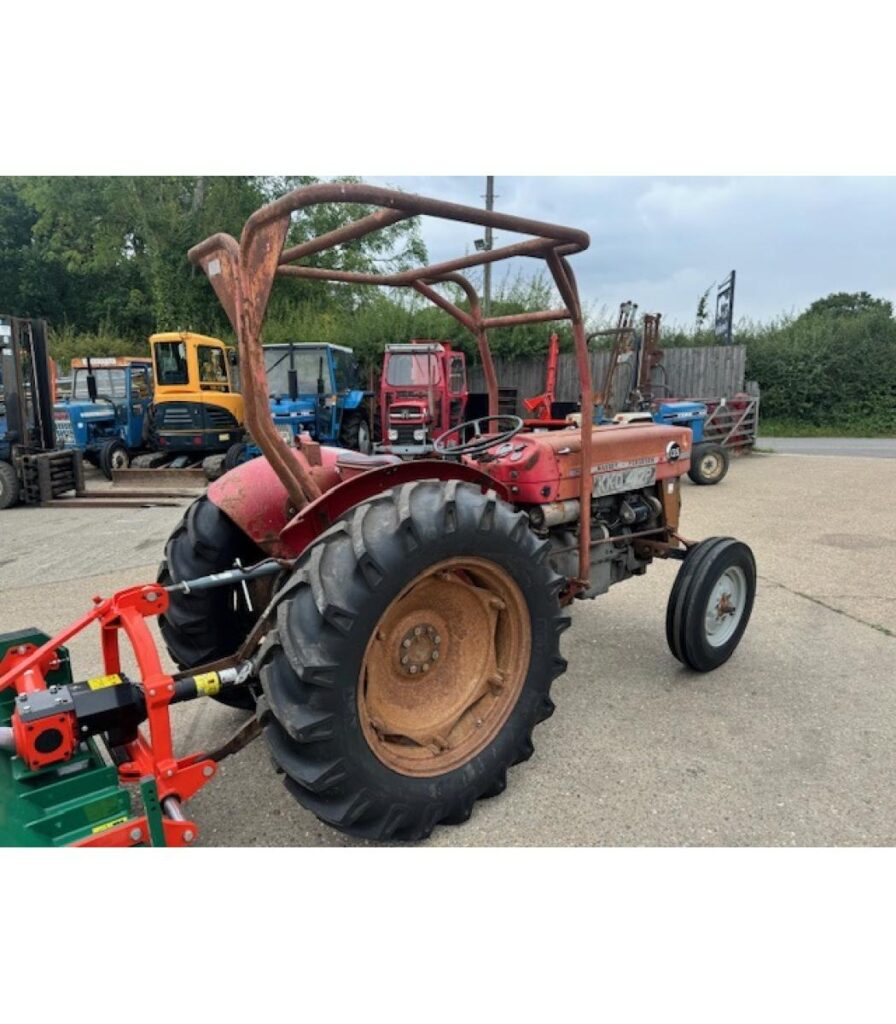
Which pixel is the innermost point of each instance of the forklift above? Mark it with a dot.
(32, 469)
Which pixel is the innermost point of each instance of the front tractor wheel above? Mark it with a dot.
(711, 602)
(709, 464)
(417, 641)
(113, 455)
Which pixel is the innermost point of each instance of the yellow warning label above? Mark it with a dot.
(208, 683)
(109, 824)
(101, 682)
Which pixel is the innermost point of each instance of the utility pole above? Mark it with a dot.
(487, 268)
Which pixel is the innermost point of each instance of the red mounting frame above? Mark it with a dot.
(151, 753)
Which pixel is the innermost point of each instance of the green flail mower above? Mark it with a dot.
(56, 805)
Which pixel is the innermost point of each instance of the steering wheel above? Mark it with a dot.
(482, 439)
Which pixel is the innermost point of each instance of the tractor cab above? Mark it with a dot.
(423, 393)
(197, 409)
(317, 387)
(106, 415)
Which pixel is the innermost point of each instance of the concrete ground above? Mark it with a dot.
(792, 743)
(864, 447)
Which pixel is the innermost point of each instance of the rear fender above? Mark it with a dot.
(320, 515)
(353, 400)
(253, 497)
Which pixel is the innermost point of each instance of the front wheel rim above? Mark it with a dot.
(119, 459)
(444, 667)
(711, 465)
(726, 605)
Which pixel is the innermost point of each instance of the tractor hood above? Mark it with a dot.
(411, 410)
(85, 410)
(76, 420)
(544, 466)
(285, 410)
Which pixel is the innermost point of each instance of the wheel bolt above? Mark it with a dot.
(435, 655)
(418, 630)
(405, 660)
(425, 667)
(437, 639)
(406, 643)
(413, 670)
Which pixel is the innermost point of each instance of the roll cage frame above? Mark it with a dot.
(242, 275)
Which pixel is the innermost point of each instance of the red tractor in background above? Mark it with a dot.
(423, 393)
(395, 625)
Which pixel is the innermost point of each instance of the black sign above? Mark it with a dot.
(725, 309)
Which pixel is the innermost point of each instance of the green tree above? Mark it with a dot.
(849, 304)
(110, 254)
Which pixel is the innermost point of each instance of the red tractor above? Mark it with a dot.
(405, 649)
(423, 393)
(394, 625)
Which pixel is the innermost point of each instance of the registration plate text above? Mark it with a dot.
(619, 481)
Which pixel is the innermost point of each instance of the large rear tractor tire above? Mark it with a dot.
(415, 647)
(9, 485)
(355, 432)
(711, 602)
(210, 624)
(709, 464)
(235, 456)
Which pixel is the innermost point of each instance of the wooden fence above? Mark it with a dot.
(710, 372)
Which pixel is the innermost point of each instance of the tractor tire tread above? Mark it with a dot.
(683, 601)
(202, 626)
(308, 676)
(9, 485)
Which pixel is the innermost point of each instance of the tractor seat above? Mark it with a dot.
(359, 462)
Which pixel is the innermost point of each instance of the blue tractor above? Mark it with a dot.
(314, 387)
(640, 352)
(107, 417)
(709, 461)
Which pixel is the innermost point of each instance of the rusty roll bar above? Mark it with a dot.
(243, 273)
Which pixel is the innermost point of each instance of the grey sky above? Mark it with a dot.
(662, 241)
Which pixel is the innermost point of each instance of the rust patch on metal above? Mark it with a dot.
(444, 667)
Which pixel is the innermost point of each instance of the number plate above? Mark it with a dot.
(621, 480)
(64, 432)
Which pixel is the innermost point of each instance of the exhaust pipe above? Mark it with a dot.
(7, 739)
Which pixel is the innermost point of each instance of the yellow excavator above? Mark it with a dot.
(197, 410)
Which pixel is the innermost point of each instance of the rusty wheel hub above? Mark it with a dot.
(444, 667)
(420, 648)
